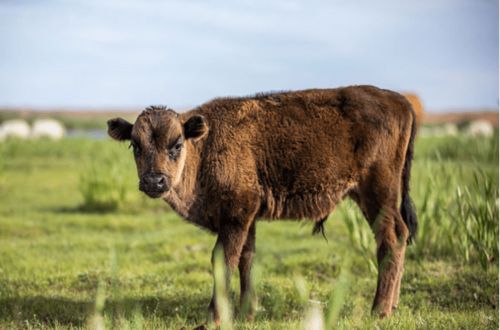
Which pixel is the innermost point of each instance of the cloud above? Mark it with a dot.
(104, 53)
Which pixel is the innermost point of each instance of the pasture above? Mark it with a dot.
(81, 247)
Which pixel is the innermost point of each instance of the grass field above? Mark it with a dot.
(81, 247)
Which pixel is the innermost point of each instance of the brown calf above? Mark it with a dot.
(283, 155)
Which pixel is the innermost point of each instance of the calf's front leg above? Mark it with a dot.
(247, 295)
(231, 239)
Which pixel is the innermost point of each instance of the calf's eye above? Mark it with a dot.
(135, 149)
(174, 151)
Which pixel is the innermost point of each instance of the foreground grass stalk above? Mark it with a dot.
(338, 296)
(221, 291)
(96, 320)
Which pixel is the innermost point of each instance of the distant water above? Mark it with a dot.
(97, 134)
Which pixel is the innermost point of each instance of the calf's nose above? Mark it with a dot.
(160, 182)
(156, 182)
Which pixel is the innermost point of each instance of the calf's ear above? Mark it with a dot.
(195, 127)
(119, 129)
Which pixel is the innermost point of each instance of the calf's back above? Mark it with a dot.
(297, 154)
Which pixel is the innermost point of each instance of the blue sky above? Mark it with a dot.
(181, 53)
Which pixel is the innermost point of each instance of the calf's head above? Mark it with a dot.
(158, 138)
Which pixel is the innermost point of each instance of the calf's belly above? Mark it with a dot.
(303, 204)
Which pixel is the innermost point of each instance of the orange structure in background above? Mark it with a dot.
(417, 106)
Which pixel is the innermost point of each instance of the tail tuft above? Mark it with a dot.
(319, 227)
(409, 216)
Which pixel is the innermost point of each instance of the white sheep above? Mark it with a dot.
(49, 128)
(14, 128)
(480, 128)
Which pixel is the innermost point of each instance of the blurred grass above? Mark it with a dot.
(64, 265)
(103, 183)
(460, 148)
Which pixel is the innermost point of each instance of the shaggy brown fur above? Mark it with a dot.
(290, 155)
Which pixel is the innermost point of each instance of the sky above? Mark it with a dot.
(181, 53)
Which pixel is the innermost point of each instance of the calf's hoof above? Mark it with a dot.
(213, 314)
(382, 311)
(201, 327)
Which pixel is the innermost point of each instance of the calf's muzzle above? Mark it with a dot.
(154, 184)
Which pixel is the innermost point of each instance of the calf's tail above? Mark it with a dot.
(407, 208)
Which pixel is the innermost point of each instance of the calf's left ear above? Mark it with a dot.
(195, 128)
(119, 129)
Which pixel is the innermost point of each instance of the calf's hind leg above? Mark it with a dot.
(378, 199)
(391, 246)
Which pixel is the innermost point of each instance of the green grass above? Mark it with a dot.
(68, 263)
